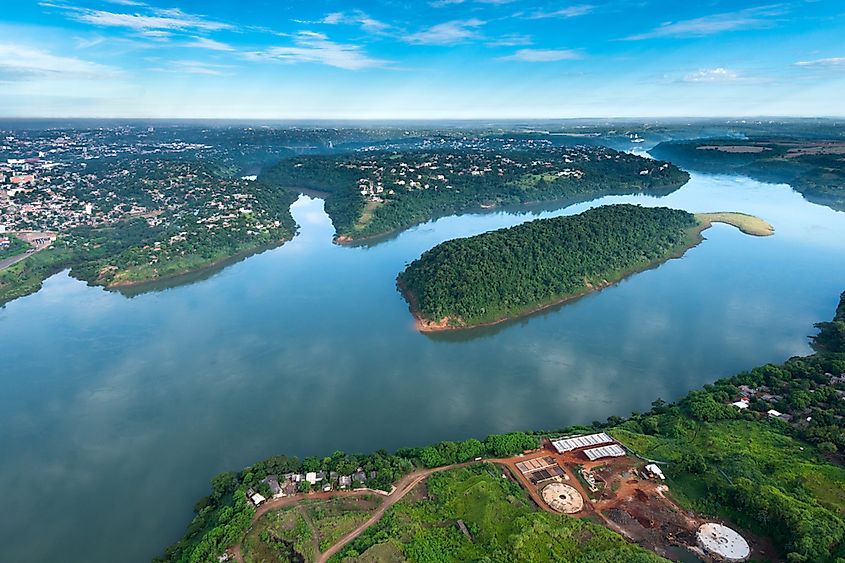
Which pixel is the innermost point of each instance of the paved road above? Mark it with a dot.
(12, 261)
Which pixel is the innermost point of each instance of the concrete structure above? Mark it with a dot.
(540, 469)
(613, 450)
(569, 443)
(563, 498)
(722, 542)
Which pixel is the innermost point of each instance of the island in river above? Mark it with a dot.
(372, 193)
(504, 274)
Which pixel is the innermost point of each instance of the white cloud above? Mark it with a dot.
(211, 44)
(355, 17)
(155, 19)
(542, 55)
(447, 33)
(718, 74)
(511, 40)
(832, 61)
(17, 61)
(568, 12)
(752, 18)
(310, 47)
(194, 67)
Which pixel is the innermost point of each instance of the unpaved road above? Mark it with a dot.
(405, 485)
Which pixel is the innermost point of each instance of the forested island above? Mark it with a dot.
(813, 167)
(507, 273)
(372, 193)
(761, 450)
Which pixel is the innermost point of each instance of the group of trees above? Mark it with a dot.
(448, 453)
(504, 273)
(520, 178)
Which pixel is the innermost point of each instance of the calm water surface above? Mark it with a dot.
(115, 412)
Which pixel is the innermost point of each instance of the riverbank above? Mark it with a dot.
(214, 264)
(476, 208)
(747, 224)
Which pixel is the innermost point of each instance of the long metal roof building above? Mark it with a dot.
(576, 442)
(613, 450)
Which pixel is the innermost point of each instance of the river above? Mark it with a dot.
(115, 411)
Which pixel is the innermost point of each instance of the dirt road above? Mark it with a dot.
(405, 485)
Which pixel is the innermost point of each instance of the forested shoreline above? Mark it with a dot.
(812, 167)
(375, 193)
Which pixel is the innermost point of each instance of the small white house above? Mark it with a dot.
(257, 499)
(774, 414)
(656, 471)
(741, 404)
(311, 477)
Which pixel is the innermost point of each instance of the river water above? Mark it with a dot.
(116, 411)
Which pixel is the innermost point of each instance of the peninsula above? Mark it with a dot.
(504, 274)
(372, 193)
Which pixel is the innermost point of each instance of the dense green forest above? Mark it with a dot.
(812, 167)
(508, 272)
(373, 193)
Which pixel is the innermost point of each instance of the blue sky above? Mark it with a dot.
(394, 59)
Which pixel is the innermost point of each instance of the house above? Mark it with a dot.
(741, 404)
(327, 487)
(313, 477)
(777, 414)
(273, 482)
(359, 476)
(345, 481)
(256, 498)
(655, 472)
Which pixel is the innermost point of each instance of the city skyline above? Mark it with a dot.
(444, 59)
